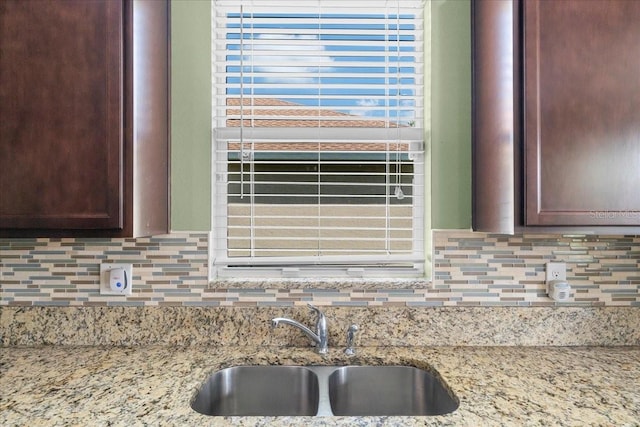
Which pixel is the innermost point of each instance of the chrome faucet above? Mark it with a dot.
(320, 337)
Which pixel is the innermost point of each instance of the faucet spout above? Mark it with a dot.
(308, 332)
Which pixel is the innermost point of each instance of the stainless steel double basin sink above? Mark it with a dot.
(274, 390)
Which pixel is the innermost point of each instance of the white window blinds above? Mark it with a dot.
(318, 139)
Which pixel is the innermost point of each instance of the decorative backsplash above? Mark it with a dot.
(510, 270)
(469, 269)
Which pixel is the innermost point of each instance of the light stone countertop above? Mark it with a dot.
(153, 385)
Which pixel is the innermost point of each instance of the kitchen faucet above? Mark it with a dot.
(320, 337)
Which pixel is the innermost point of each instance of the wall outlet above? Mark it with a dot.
(556, 271)
(122, 281)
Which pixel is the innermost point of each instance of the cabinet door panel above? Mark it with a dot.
(61, 144)
(582, 112)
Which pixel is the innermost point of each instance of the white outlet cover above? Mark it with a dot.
(556, 271)
(105, 289)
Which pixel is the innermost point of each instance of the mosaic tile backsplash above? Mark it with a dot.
(469, 269)
(481, 268)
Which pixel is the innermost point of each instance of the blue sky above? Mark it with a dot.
(350, 66)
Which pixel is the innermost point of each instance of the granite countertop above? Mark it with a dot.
(58, 385)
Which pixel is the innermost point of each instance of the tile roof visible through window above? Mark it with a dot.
(312, 113)
(297, 110)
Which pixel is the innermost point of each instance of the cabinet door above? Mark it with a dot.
(582, 112)
(61, 109)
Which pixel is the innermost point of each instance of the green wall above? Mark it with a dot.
(450, 114)
(191, 114)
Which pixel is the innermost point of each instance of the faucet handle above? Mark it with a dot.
(321, 329)
(316, 309)
(351, 335)
(321, 317)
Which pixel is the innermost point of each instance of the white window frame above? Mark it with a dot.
(324, 266)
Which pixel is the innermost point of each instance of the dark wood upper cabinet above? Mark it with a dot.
(582, 112)
(570, 143)
(84, 88)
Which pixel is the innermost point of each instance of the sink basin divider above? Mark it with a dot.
(324, 403)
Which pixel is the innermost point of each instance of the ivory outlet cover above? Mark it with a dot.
(556, 271)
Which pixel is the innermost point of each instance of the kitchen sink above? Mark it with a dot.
(273, 390)
(259, 390)
(388, 390)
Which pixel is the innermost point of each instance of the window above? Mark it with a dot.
(318, 138)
